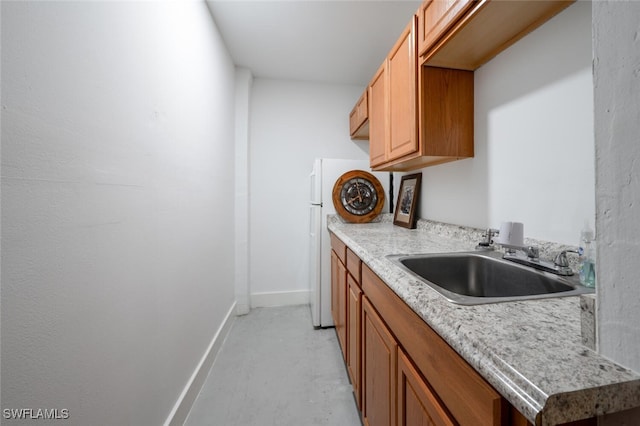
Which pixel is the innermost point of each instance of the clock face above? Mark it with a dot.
(358, 196)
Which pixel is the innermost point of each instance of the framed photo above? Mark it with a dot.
(405, 214)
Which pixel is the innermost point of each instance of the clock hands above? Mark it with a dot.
(363, 196)
(351, 200)
(359, 197)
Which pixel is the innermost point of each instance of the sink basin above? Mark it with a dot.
(472, 278)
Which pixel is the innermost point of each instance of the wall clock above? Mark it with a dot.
(358, 196)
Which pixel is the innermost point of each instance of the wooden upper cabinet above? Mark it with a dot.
(378, 116)
(485, 28)
(419, 116)
(402, 95)
(435, 17)
(421, 98)
(446, 116)
(444, 121)
(359, 118)
(393, 108)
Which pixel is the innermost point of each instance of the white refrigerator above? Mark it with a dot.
(324, 175)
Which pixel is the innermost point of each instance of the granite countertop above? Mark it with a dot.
(530, 351)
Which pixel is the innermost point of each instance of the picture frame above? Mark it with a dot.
(407, 205)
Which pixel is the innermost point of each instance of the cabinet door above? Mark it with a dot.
(358, 119)
(354, 335)
(334, 286)
(378, 117)
(435, 17)
(339, 300)
(339, 296)
(467, 396)
(378, 369)
(402, 68)
(417, 404)
(341, 325)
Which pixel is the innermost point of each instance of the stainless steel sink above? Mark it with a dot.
(472, 278)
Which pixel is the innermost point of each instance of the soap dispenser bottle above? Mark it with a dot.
(587, 251)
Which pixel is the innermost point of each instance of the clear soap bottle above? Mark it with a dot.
(587, 250)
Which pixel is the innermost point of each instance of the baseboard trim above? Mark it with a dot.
(190, 392)
(279, 298)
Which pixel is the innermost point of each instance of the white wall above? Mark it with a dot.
(117, 178)
(534, 155)
(617, 126)
(291, 124)
(616, 48)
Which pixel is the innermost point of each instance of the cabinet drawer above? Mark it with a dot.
(467, 396)
(354, 265)
(339, 247)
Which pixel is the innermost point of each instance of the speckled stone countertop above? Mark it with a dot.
(530, 351)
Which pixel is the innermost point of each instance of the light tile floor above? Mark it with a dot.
(274, 368)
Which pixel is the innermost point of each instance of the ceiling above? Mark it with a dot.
(330, 41)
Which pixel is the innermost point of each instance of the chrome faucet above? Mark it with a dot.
(562, 263)
(559, 266)
(532, 252)
(487, 242)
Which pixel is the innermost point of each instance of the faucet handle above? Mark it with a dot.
(561, 258)
(562, 264)
(492, 232)
(488, 239)
(532, 252)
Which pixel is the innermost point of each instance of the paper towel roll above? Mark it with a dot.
(511, 233)
(504, 237)
(517, 234)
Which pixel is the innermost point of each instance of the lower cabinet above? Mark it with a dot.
(339, 291)
(393, 390)
(403, 373)
(354, 336)
(379, 360)
(417, 403)
(464, 396)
